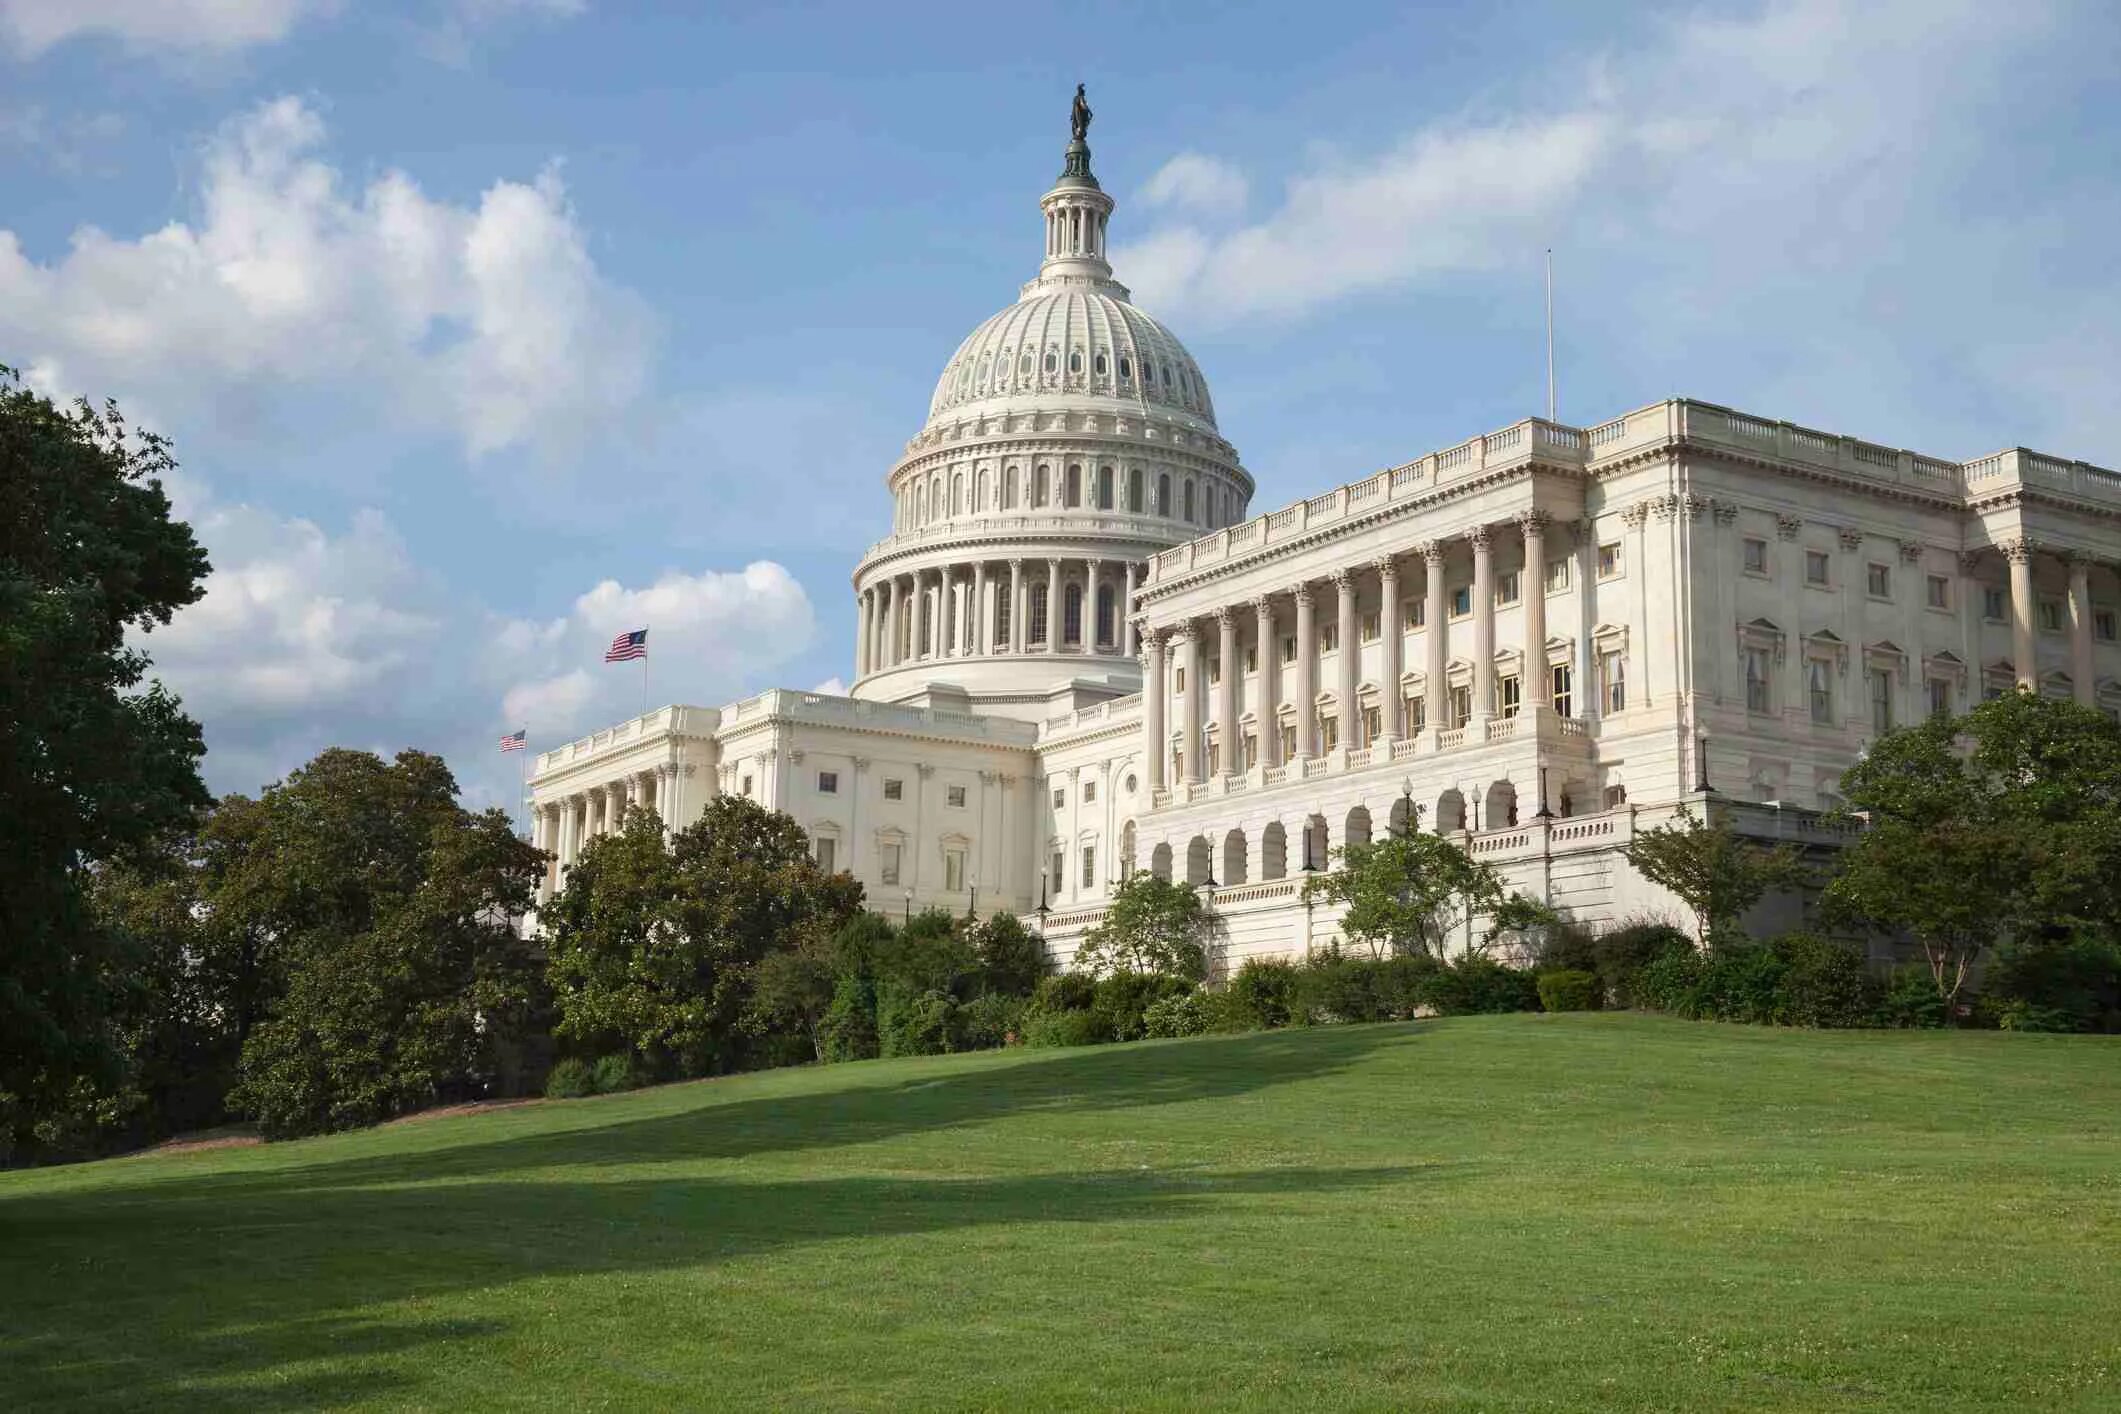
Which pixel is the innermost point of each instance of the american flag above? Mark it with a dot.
(515, 741)
(627, 647)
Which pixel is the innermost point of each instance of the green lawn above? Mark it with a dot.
(1500, 1212)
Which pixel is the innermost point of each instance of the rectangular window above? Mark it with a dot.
(1417, 714)
(1089, 866)
(1881, 700)
(1369, 625)
(1612, 671)
(894, 789)
(1506, 588)
(1615, 797)
(1251, 750)
(1288, 648)
(2051, 616)
(1508, 695)
(1758, 693)
(1940, 697)
(1756, 557)
(746, 791)
(1373, 724)
(1461, 706)
(825, 850)
(1329, 638)
(1557, 575)
(1461, 601)
(1072, 613)
(1003, 604)
(1178, 679)
(2103, 625)
(1878, 581)
(887, 855)
(1995, 604)
(1939, 590)
(1609, 559)
(1563, 684)
(828, 783)
(954, 796)
(1328, 732)
(1055, 872)
(1415, 612)
(1821, 683)
(1089, 792)
(1288, 741)
(1060, 797)
(1252, 658)
(1215, 757)
(1816, 566)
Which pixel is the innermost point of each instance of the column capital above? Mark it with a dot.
(1263, 606)
(1910, 551)
(1634, 516)
(1481, 538)
(1226, 617)
(1016, 564)
(1533, 522)
(1665, 506)
(2019, 551)
(1432, 551)
(1788, 526)
(1969, 561)
(1182, 634)
(1851, 540)
(1386, 566)
(861, 764)
(1694, 505)
(1344, 580)
(1303, 596)
(1726, 512)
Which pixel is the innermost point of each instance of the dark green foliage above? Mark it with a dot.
(1477, 986)
(1570, 989)
(1615, 954)
(570, 1079)
(614, 1073)
(915, 1023)
(1151, 925)
(1011, 958)
(1409, 892)
(1065, 991)
(1045, 1029)
(1333, 988)
(848, 1031)
(1183, 1014)
(1261, 996)
(93, 770)
(1670, 981)
(1911, 1001)
(1798, 979)
(2071, 985)
(1825, 983)
(1123, 997)
(988, 1022)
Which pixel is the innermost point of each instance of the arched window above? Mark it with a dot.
(1134, 489)
(1009, 489)
(1107, 607)
(1040, 486)
(1052, 361)
(1075, 484)
(984, 496)
(1038, 613)
(1163, 494)
(1075, 361)
(1126, 369)
(1104, 488)
(1127, 846)
(1099, 365)
(1274, 852)
(1072, 614)
(986, 367)
(957, 494)
(1189, 500)
(1234, 857)
(1023, 366)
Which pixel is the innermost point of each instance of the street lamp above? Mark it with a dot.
(972, 909)
(1042, 910)
(909, 907)
(1701, 765)
(1544, 813)
(1406, 798)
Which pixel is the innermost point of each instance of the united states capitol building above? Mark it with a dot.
(1080, 652)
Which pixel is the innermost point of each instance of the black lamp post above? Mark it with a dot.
(1701, 765)
(1406, 798)
(972, 909)
(1042, 910)
(909, 906)
(1544, 813)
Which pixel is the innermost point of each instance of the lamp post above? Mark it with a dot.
(1042, 911)
(909, 907)
(1406, 798)
(1701, 765)
(1544, 813)
(972, 909)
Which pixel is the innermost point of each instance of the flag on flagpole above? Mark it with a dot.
(515, 741)
(627, 647)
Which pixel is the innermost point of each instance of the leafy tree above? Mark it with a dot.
(656, 949)
(91, 768)
(1406, 893)
(1716, 873)
(1012, 959)
(1151, 926)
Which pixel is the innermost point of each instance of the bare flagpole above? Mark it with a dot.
(1550, 333)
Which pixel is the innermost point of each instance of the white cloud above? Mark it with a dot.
(491, 319)
(1193, 181)
(32, 26)
(834, 686)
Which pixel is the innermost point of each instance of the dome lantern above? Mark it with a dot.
(1076, 212)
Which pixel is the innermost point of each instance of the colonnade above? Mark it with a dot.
(564, 826)
(2025, 666)
(988, 608)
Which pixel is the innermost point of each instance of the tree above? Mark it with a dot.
(2003, 823)
(1151, 926)
(92, 769)
(1717, 874)
(655, 949)
(1406, 893)
(1012, 959)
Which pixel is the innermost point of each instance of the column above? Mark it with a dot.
(1226, 698)
(1306, 673)
(1532, 594)
(1125, 626)
(1053, 606)
(861, 634)
(1266, 702)
(1155, 739)
(1483, 622)
(1390, 703)
(1436, 616)
(1016, 606)
(2024, 657)
(1090, 578)
(1350, 663)
(2080, 628)
(980, 630)
(1187, 659)
(946, 602)
(566, 832)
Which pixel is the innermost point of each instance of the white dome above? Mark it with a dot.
(1087, 343)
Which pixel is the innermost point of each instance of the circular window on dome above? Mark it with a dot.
(1052, 361)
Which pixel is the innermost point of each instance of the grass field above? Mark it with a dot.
(1503, 1212)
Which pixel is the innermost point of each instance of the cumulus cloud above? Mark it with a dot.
(1197, 182)
(33, 26)
(491, 319)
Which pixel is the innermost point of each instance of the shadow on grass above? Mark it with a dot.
(256, 1289)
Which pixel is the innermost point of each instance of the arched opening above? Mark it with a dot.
(1189, 501)
(1075, 485)
(1234, 857)
(1134, 490)
(1499, 811)
(1198, 859)
(1357, 830)
(1316, 845)
(957, 495)
(1160, 862)
(1072, 614)
(1450, 812)
(1163, 494)
(1126, 850)
(1039, 616)
(1107, 607)
(983, 496)
(1402, 818)
(1009, 489)
(1104, 488)
(1041, 484)
(1274, 852)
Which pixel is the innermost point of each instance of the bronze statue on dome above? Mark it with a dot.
(1079, 115)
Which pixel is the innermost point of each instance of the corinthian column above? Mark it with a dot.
(1436, 617)
(1090, 578)
(861, 633)
(980, 632)
(1266, 701)
(1125, 632)
(1483, 622)
(1188, 661)
(1054, 615)
(2080, 629)
(1306, 673)
(1538, 682)
(1226, 697)
(1350, 663)
(1017, 607)
(1155, 739)
(2024, 656)
(1390, 632)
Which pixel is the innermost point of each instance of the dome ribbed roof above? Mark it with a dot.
(1074, 343)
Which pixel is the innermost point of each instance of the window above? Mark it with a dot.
(1189, 500)
(1038, 613)
(1089, 866)
(1004, 607)
(954, 870)
(1104, 488)
(1557, 575)
(1126, 368)
(894, 789)
(2103, 625)
(1373, 724)
(1288, 741)
(1328, 732)
(1564, 689)
(828, 783)
(2050, 615)
(1060, 797)
(1612, 670)
(887, 861)
(1509, 694)
(1369, 626)
(1995, 604)
(1609, 559)
(1089, 792)
(746, 790)
(1756, 556)
(1054, 868)
(1072, 614)
(1940, 697)
(1074, 484)
(1329, 638)
(1758, 690)
(1881, 684)
(954, 797)
(1417, 713)
(1252, 657)
(1040, 485)
(1134, 489)
(1816, 566)
(1178, 679)
(1099, 365)
(1163, 494)
(1461, 706)
(1819, 678)
(1878, 581)
(1461, 601)
(1288, 648)
(823, 847)
(1615, 797)
(1506, 588)
(1251, 750)
(1415, 613)
(1939, 590)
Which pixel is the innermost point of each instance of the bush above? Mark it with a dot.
(570, 1080)
(2067, 986)
(1064, 991)
(1742, 981)
(1406, 985)
(1064, 1028)
(1122, 998)
(1329, 989)
(849, 1028)
(614, 1073)
(910, 1023)
(1259, 997)
(1011, 961)
(1911, 1001)
(1183, 1014)
(1569, 989)
(986, 1023)
(1824, 983)
(1474, 986)
(1670, 981)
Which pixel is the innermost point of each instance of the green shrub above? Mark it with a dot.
(570, 1080)
(1569, 989)
(986, 1023)
(1330, 989)
(614, 1073)
(915, 1023)
(1064, 1028)
(1012, 961)
(1259, 997)
(1670, 981)
(2074, 985)
(849, 1027)
(1911, 1001)
(1183, 1014)
(1474, 986)
(1825, 983)
(2020, 1015)
(1122, 998)
(1741, 982)
(1405, 985)
(1064, 991)
(1619, 953)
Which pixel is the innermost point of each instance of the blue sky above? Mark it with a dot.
(486, 328)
